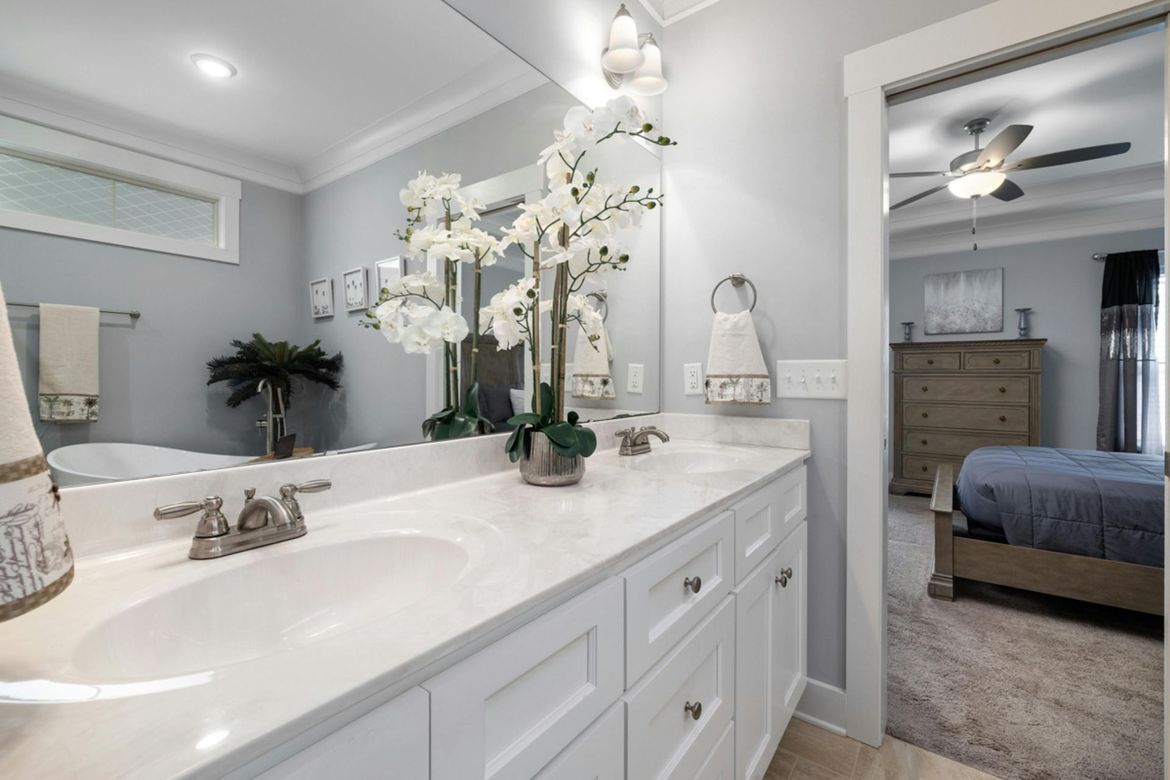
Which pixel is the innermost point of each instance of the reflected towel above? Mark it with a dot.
(591, 361)
(36, 562)
(68, 390)
(736, 373)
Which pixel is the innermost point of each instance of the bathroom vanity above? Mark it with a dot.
(648, 622)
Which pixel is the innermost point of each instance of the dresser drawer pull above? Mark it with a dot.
(924, 388)
(925, 468)
(1003, 418)
(786, 574)
(930, 362)
(693, 584)
(695, 709)
(924, 442)
(925, 415)
(995, 361)
(1003, 389)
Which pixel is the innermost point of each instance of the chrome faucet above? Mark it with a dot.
(263, 520)
(637, 442)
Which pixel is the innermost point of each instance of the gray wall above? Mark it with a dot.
(757, 185)
(1062, 284)
(152, 373)
(352, 221)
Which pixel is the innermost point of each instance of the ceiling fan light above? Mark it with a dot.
(976, 185)
(623, 55)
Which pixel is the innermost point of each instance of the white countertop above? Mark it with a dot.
(531, 549)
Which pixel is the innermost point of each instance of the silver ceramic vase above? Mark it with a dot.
(546, 467)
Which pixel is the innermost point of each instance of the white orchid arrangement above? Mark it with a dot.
(420, 311)
(573, 231)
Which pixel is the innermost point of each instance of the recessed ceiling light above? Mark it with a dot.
(214, 66)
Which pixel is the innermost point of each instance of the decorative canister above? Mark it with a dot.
(542, 465)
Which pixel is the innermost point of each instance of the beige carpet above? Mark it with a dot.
(1018, 684)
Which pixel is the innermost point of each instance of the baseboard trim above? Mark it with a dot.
(823, 705)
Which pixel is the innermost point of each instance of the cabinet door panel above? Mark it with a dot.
(720, 765)
(756, 732)
(791, 625)
(508, 710)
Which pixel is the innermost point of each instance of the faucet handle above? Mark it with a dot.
(312, 486)
(289, 492)
(625, 433)
(211, 524)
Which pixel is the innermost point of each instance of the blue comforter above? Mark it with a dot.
(1103, 504)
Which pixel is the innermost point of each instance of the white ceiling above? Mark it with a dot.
(1104, 95)
(320, 83)
(668, 11)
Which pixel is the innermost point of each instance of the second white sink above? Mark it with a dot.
(690, 459)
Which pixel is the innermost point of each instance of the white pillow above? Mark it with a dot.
(519, 402)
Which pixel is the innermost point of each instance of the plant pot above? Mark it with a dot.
(544, 466)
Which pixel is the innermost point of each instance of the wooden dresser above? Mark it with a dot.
(951, 397)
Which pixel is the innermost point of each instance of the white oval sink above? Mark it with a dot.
(270, 604)
(691, 460)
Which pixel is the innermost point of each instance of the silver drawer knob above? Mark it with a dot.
(695, 709)
(693, 584)
(785, 575)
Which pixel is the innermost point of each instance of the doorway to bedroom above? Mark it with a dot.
(1027, 387)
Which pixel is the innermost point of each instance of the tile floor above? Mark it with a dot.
(810, 753)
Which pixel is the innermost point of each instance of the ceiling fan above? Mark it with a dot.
(981, 172)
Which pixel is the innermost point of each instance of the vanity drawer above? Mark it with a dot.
(598, 754)
(763, 519)
(720, 765)
(664, 739)
(999, 360)
(1015, 389)
(931, 361)
(980, 418)
(508, 710)
(668, 593)
(924, 467)
(940, 443)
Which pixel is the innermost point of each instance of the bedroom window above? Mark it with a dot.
(62, 184)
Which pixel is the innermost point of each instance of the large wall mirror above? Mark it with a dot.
(235, 217)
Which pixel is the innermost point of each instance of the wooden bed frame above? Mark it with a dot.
(1096, 580)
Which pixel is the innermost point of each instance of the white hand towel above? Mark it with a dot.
(591, 373)
(36, 562)
(736, 373)
(69, 364)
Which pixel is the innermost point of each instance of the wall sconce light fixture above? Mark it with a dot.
(632, 61)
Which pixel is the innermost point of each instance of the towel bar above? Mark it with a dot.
(602, 300)
(737, 280)
(131, 313)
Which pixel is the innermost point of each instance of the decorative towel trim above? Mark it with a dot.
(69, 408)
(36, 559)
(738, 389)
(23, 468)
(593, 386)
(34, 600)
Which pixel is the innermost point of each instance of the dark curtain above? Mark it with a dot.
(1129, 369)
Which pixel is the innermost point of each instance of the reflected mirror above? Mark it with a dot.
(201, 217)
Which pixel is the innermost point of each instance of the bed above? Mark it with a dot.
(1076, 523)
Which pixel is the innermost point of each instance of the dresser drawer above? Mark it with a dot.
(924, 467)
(668, 593)
(1015, 389)
(978, 418)
(763, 519)
(664, 739)
(999, 360)
(931, 361)
(508, 710)
(959, 444)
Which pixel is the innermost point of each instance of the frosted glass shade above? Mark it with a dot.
(976, 185)
(648, 79)
(623, 54)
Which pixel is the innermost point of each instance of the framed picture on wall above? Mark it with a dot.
(964, 302)
(386, 272)
(353, 286)
(321, 297)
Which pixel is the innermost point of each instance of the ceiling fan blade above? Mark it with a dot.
(917, 197)
(1009, 190)
(917, 173)
(1002, 145)
(1069, 156)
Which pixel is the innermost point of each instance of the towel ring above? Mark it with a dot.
(602, 302)
(737, 280)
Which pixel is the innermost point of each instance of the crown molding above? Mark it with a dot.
(665, 17)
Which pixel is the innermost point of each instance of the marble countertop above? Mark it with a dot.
(530, 548)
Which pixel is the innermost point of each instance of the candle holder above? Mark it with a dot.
(907, 331)
(1022, 326)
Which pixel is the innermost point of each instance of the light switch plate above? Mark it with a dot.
(634, 377)
(811, 379)
(692, 379)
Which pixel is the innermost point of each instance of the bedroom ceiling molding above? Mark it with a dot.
(441, 109)
(667, 12)
(1110, 202)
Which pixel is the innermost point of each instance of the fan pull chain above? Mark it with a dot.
(974, 216)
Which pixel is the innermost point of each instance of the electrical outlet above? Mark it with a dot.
(692, 379)
(634, 378)
(811, 379)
